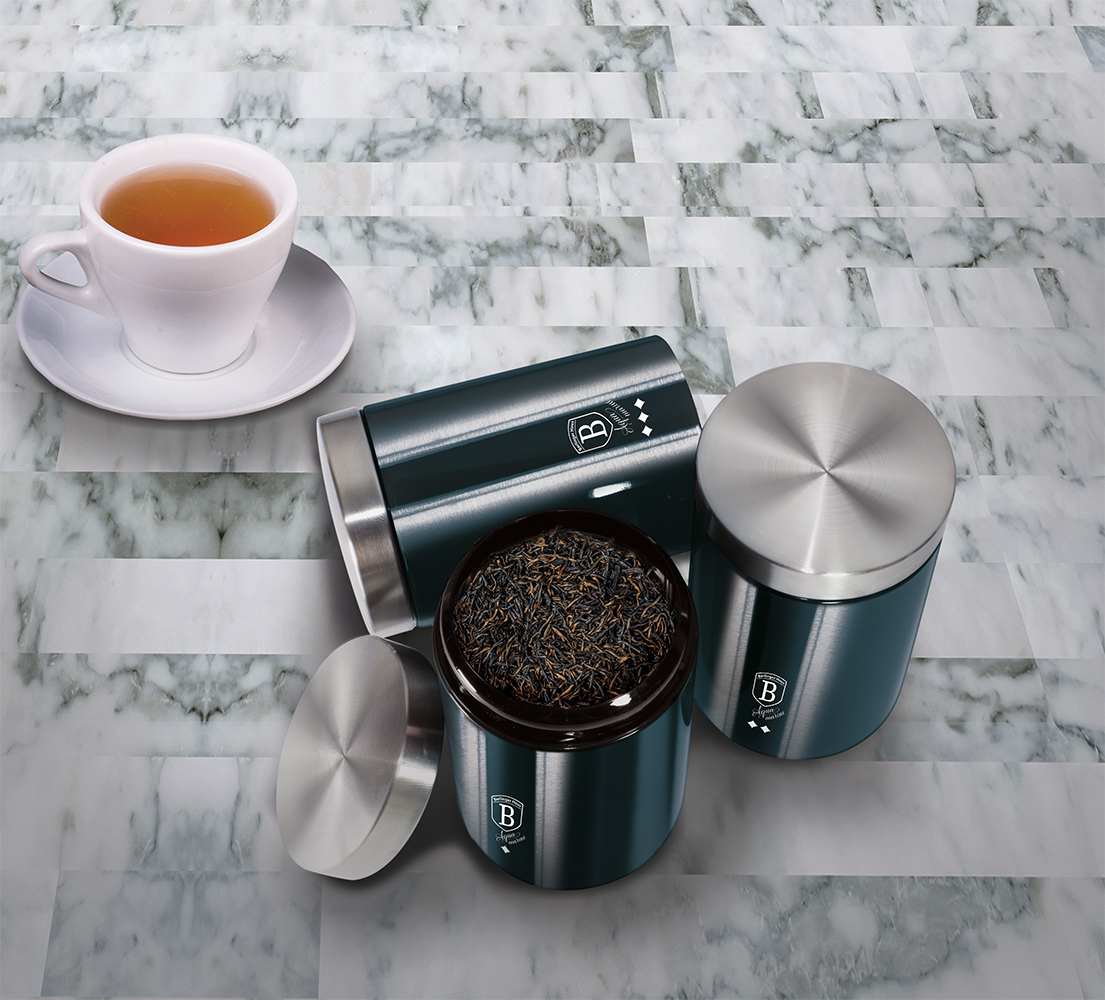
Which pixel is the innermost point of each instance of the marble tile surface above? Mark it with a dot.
(187, 605)
(26, 910)
(204, 933)
(759, 936)
(916, 187)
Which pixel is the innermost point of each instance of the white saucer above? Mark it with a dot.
(304, 332)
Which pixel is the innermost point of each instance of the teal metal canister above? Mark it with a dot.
(821, 494)
(569, 798)
(413, 481)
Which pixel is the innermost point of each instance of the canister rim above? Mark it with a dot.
(362, 523)
(560, 729)
(824, 481)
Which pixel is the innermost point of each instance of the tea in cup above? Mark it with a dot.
(182, 239)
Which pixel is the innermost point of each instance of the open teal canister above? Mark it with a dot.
(821, 495)
(568, 798)
(413, 481)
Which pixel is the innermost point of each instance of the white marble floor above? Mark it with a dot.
(915, 186)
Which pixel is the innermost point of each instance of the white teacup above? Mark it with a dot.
(182, 308)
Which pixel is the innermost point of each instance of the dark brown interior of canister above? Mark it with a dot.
(544, 726)
(564, 618)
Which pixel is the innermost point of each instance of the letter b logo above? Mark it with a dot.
(506, 812)
(768, 689)
(589, 432)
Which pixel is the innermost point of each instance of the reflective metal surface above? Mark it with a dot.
(793, 678)
(362, 523)
(613, 430)
(824, 481)
(575, 818)
(360, 758)
(570, 798)
(413, 481)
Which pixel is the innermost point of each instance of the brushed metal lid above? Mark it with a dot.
(360, 758)
(362, 523)
(824, 481)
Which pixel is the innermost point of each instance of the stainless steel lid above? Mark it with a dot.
(360, 758)
(824, 481)
(363, 525)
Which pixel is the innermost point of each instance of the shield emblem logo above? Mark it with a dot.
(768, 689)
(589, 432)
(506, 811)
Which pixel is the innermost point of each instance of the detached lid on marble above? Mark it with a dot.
(824, 481)
(360, 758)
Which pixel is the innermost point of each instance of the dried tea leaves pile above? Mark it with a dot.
(564, 619)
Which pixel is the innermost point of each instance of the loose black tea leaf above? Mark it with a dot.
(565, 619)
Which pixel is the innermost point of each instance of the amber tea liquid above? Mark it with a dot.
(187, 205)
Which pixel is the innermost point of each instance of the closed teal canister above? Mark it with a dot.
(821, 495)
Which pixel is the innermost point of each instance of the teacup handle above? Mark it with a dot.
(89, 295)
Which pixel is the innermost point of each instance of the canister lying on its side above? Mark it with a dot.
(414, 481)
(567, 798)
(821, 496)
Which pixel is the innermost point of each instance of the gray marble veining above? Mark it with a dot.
(165, 515)
(253, 934)
(747, 937)
(913, 186)
(152, 704)
(464, 242)
(1058, 435)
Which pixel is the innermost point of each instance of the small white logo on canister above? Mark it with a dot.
(506, 811)
(589, 432)
(768, 689)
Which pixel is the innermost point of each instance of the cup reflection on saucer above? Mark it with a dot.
(185, 305)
